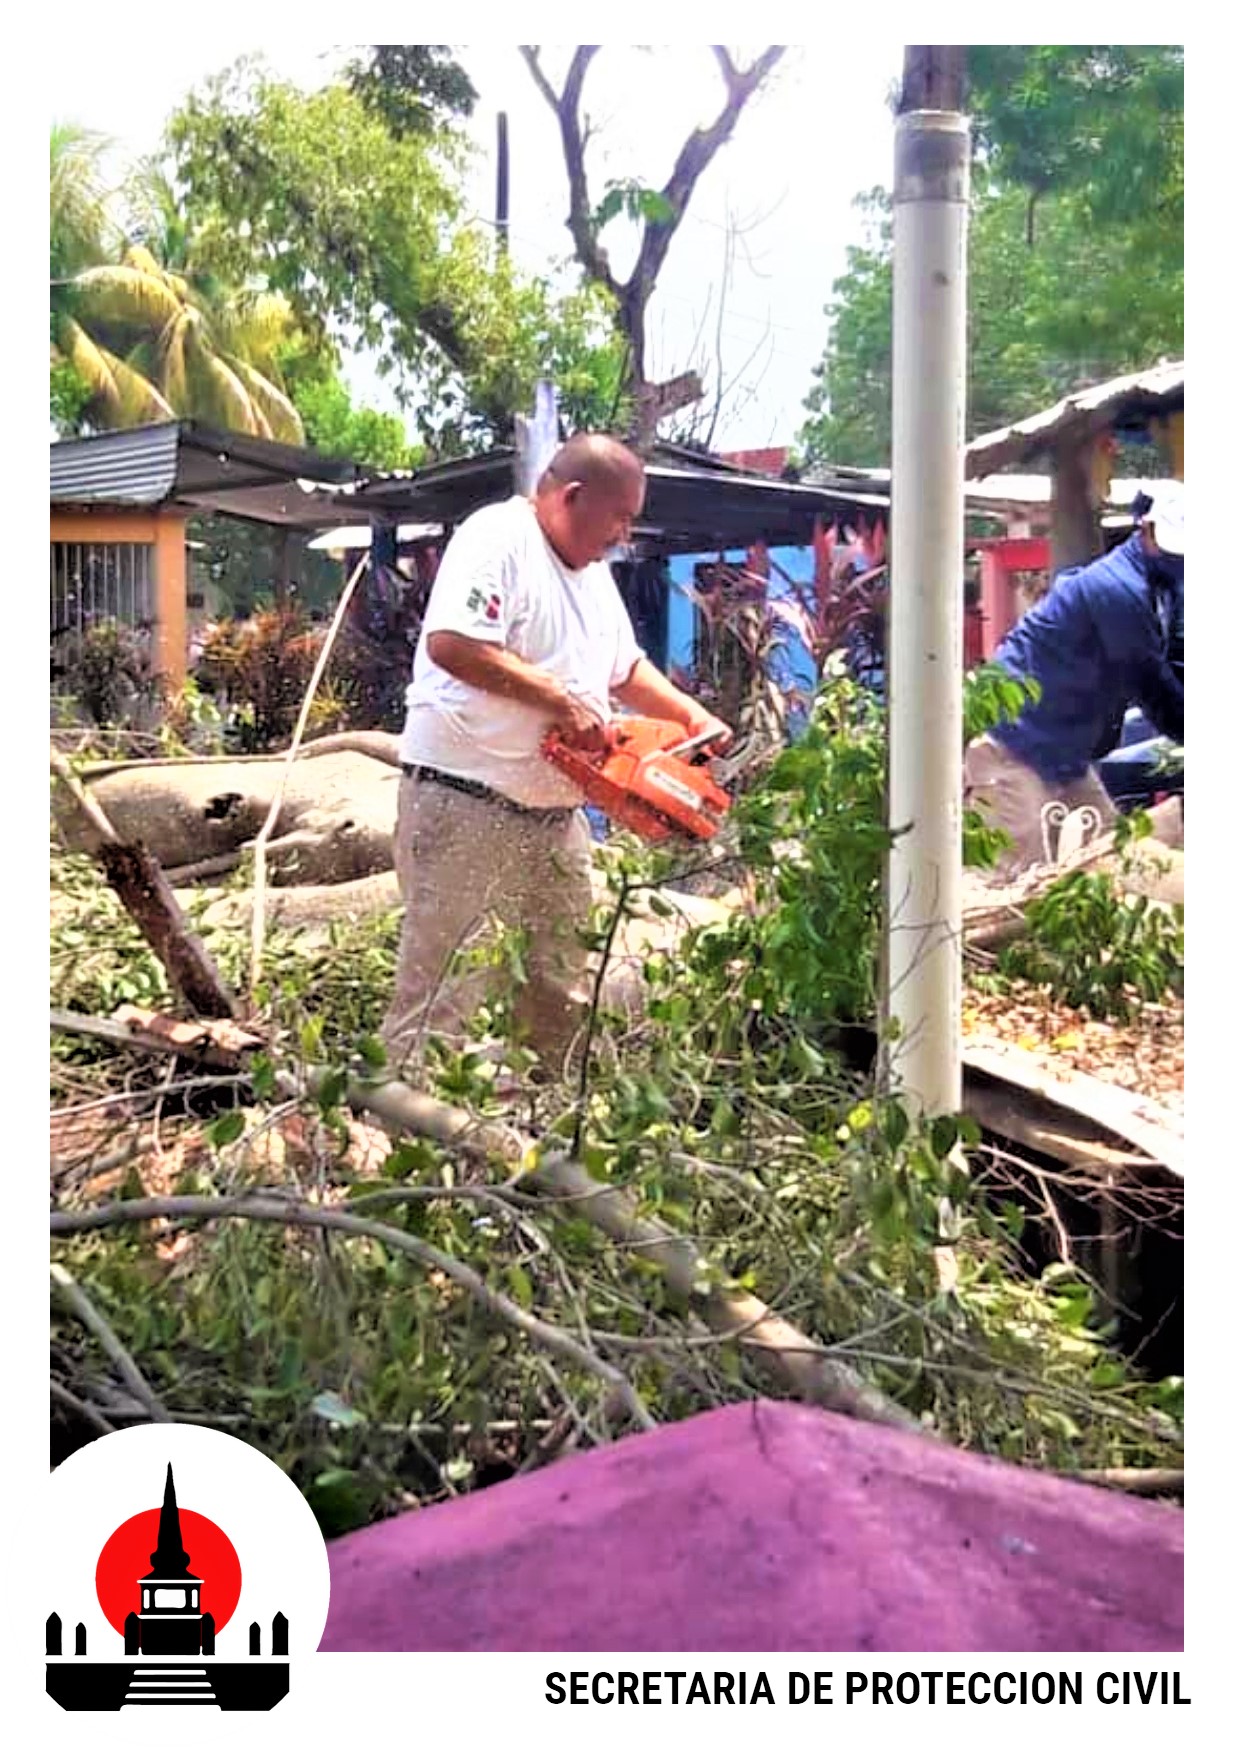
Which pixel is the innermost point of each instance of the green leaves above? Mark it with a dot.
(333, 1409)
(1075, 253)
(1097, 948)
(636, 202)
(992, 695)
(227, 1129)
(353, 211)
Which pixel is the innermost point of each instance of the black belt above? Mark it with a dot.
(474, 788)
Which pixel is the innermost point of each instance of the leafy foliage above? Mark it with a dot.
(376, 1384)
(1104, 121)
(68, 397)
(362, 231)
(1097, 948)
(1075, 254)
(636, 202)
(261, 668)
(415, 88)
(83, 230)
(814, 834)
(139, 331)
(105, 670)
(333, 423)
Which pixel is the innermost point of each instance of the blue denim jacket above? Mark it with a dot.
(1097, 642)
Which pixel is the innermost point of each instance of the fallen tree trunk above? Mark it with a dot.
(336, 815)
(378, 745)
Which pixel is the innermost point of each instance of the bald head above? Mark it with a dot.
(587, 498)
(594, 460)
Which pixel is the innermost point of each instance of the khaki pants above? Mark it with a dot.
(462, 861)
(1038, 816)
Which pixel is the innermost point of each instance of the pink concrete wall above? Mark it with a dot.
(766, 1527)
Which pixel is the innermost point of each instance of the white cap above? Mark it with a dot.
(1166, 515)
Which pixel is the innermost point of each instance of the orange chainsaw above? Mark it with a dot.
(642, 779)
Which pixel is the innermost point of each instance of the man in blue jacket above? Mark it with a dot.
(1097, 643)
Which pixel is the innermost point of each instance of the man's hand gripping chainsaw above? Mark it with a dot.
(644, 778)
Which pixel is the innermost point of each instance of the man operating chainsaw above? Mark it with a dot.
(525, 634)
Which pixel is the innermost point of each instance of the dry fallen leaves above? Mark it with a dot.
(1145, 1055)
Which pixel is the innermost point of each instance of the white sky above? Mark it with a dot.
(802, 150)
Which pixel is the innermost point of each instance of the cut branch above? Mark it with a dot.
(807, 1368)
(144, 892)
(1140, 1481)
(194, 1209)
(79, 1304)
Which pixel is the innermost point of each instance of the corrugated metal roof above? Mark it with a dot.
(1159, 387)
(694, 503)
(186, 463)
(137, 467)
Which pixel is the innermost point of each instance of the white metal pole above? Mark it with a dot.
(926, 605)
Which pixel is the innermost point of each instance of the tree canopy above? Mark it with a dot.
(1075, 255)
(362, 229)
(413, 87)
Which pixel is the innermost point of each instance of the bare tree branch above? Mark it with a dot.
(573, 134)
(695, 155)
(71, 1294)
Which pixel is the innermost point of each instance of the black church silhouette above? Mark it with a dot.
(169, 1621)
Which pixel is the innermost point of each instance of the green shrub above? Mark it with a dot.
(1097, 948)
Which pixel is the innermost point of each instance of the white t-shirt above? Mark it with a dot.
(501, 581)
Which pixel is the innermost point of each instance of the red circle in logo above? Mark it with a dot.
(126, 1559)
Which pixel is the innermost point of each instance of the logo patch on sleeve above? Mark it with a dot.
(486, 604)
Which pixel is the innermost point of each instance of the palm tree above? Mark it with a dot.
(82, 230)
(147, 337)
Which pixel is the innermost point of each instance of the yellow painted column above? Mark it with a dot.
(168, 654)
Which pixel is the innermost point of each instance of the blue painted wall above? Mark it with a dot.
(793, 667)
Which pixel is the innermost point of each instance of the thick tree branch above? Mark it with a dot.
(143, 890)
(810, 1370)
(573, 135)
(696, 154)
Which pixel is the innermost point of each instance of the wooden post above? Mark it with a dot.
(1075, 533)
